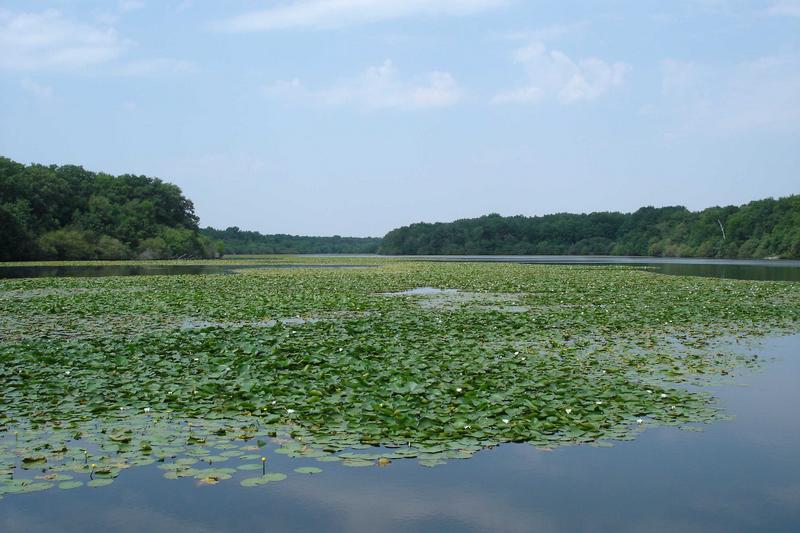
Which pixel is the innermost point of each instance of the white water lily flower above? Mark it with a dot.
(506, 421)
(639, 420)
(663, 396)
(290, 411)
(274, 402)
(67, 372)
(458, 389)
(516, 353)
(467, 426)
(648, 391)
(599, 402)
(568, 410)
(146, 409)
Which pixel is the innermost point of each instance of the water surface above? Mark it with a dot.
(756, 269)
(96, 271)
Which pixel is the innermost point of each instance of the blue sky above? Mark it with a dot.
(353, 117)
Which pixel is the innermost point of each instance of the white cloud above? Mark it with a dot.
(33, 41)
(785, 8)
(42, 91)
(523, 95)
(752, 95)
(157, 66)
(131, 5)
(336, 13)
(680, 77)
(183, 5)
(546, 33)
(553, 74)
(378, 87)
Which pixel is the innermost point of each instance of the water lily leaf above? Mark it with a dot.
(99, 482)
(308, 470)
(269, 477)
(249, 466)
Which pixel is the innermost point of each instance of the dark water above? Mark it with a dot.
(741, 475)
(86, 271)
(718, 268)
(756, 269)
(728, 271)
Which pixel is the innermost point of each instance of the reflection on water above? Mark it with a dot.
(756, 269)
(740, 475)
(719, 268)
(85, 271)
(728, 271)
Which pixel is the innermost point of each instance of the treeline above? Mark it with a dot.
(68, 213)
(251, 242)
(764, 228)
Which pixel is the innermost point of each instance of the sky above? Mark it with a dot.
(353, 117)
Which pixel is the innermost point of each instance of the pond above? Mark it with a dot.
(738, 474)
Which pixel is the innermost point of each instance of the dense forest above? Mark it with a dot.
(66, 212)
(764, 228)
(251, 242)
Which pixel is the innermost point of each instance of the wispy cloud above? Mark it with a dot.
(785, 8)
(131, 5)
(156, 66)
(42, 91)
(753, 95)
(337, 13)
(378, 87)
(33, 41)
(50, 40)
(545, 33)
(552, 74)
(681, 77)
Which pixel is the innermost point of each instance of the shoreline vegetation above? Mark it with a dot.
(67, 213)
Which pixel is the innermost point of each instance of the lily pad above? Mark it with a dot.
(308, 470)
(99, 482)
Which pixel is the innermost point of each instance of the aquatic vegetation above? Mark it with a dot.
(98, 375)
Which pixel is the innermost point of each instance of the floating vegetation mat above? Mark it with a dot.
(207, 377)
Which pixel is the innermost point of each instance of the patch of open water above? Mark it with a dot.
(87, 271)
(771, 270)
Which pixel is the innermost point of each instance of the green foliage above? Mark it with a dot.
(237, 241)
(110, 248)
(52, 212)
(67, 244)
(764, 228)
